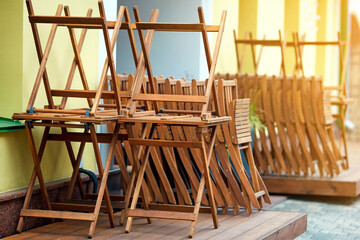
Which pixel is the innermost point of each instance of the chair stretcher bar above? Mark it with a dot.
(181, 27)
(66, 20)
(87, 94)
(84, 137)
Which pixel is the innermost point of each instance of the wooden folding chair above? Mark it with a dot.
(227, 91)
(155, 121)
(58, 116)
(340, 99)
(221, 193)
(249, 40)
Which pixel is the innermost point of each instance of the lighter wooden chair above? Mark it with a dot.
(256, 58)
(227, 91)
(340, 99)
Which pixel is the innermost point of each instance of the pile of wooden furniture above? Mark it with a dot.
(298, 138)
(182, 139)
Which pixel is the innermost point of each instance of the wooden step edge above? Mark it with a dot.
(57, 214)
(162, 214)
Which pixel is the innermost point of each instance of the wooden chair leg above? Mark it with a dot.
(343, 137)
(197, 206)
(103, 173)
(34, 173)
(138, 186)
(75, 164)
(205, 179)
(206, 158)
(128, 196)
(140, 178)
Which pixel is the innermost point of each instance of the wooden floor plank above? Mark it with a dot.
(259, 231)
(346, 184)
(230, 226)
(293, 230)
(241, 224)
(205, 224)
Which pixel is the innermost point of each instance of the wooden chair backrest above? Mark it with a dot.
(281, 43)
(154, 97)
(84, 23)
(242, 124)
(343, 57)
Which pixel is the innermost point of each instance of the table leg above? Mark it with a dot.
(205, 179)
(34, 173)
(139, 181)
(103, 191)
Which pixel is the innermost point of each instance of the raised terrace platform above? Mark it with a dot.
(266, 224)
(346, 184)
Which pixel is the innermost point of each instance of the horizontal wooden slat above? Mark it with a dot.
(241, 123)
(180, 27)
(260, 193)
(61, 111)
(242, 114)
(161, 214)
(241, 119)
(112, 197)
(76, 207)
(164, 143)
(260, 42)
(239, 127)
(84, 137)
(243, 135)
(57, 214)
(87, 94)
(242, 110)
(179, 208)
(319, 43)
(169, 98)
(180, 111)
(46, 124)
(227, 83)
(114, 204)
(244, 140)
(242, 131)
(66, 20)
(242, 100)
(61, 117)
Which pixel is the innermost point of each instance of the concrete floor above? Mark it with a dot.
(328, 217)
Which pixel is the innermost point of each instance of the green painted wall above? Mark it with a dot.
(18, 75)
(10, 57)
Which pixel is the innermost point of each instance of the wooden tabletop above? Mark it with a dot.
(103, 119)
(188, 120)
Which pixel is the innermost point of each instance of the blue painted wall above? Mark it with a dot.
(173, 53)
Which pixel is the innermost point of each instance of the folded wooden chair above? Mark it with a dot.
(281, 43)
(58, 116)
(156, 121)
(340, 99)
(295, 121)
(238, 132)
(221, 193)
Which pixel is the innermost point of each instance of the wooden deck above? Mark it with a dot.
(259, 225)
(346, 184)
